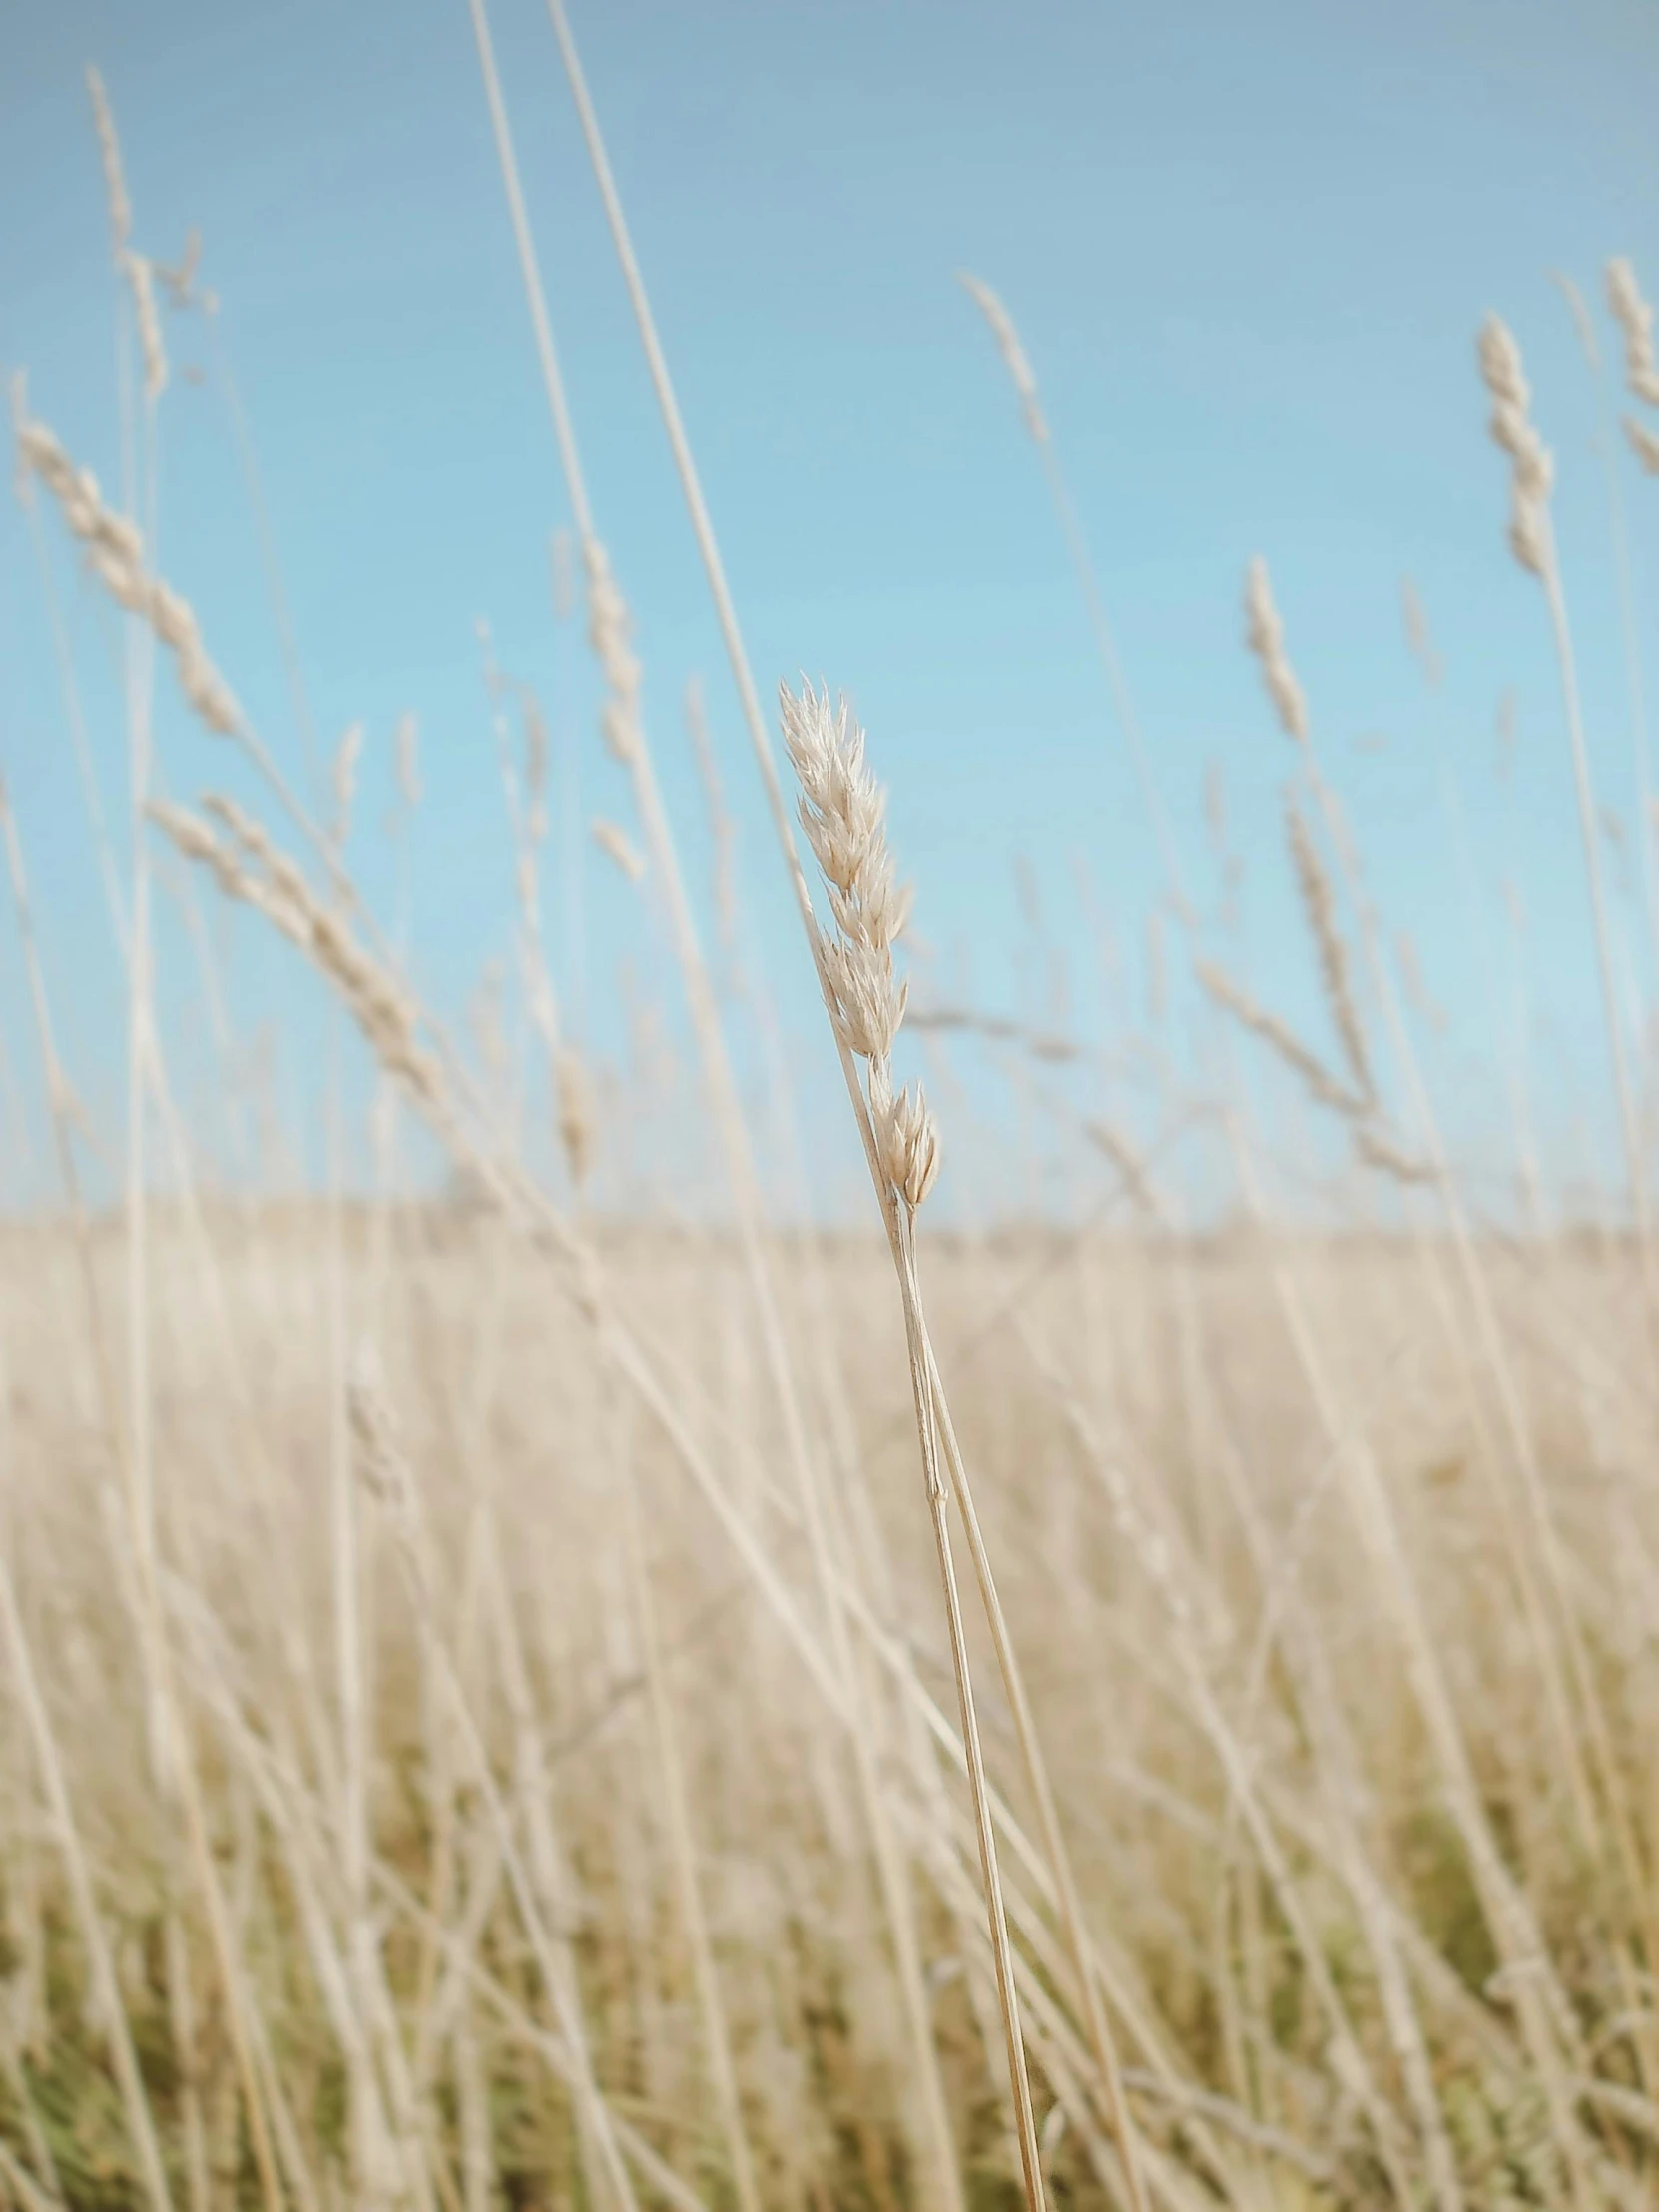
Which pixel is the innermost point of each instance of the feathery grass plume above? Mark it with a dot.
(1318, 904)
(249, 869)
(116, 552)
(1643, 443)
(1634, 317)
(1264, 635)
(1317, 1078)
(615, 842)
(109, 151)
(1014, 354)
(1531, 472)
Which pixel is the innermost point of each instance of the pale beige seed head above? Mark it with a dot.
(907, 1139)
(615, 842)
(140, 275)
(1634, 317)
(867, 1005)
(1643, 445)
(1264, 635)
(1532, 470)
(843, 808)
(609, 629)
(109, 151)
(1015, 360)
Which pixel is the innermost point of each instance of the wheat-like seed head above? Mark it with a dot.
(1265, 634)
(248, 867)
(609, 629)
(844, 813)
(1531, 472)
(614, 842)
(1014, 354)
(1635, 318)
(109, 149)
(115, 551)
(1643, 443)
(908, 1142)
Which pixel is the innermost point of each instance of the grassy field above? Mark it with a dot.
(520, 1693)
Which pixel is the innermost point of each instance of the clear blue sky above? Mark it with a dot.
(1248, 250)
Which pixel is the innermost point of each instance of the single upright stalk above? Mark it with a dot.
(843, 811)
(938, 1509)
(760, 740)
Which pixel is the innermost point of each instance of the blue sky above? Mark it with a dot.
(1248, 250)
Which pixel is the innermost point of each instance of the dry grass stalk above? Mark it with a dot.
(248, 869)
(1024, 382)
(1231, 997)
(843, 813)
(1634, 317)
(116, 551)
(1318, 906)
(618, 848)
(109, 149)
(1532, 470)
(1380, 1151)
(1418, 635)
(347, 755)
(1533, 540)
(141, 275)
(1264, 635)
(720, 821)
(1019, 369)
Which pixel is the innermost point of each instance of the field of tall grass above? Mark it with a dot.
(520, 1687)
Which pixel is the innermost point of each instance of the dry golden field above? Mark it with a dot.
(535, 1689)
